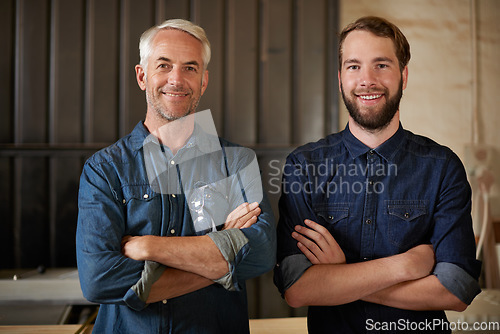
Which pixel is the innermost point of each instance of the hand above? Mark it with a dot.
(317, 244)
(136, 247)
(243, 216)
(419, 261)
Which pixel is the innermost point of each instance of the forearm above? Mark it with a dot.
(423, 294)
(336, 284)
(175, 283)
(198, 255)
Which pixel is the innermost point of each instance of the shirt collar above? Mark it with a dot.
(386, 150)
(205, 142)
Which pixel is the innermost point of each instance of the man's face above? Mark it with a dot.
(370, 80)
(175, 78)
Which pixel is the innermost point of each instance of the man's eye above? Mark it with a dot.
(353, 67)
(382, 66)
(191, 69)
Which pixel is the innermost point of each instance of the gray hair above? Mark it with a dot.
(145, 43)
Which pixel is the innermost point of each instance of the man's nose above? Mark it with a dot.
(175, 76)
(367, 78)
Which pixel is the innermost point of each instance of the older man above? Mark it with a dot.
(166, 236)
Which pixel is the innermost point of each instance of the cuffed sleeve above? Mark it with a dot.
(288, 271)
(150, 274)
(457, 281)
(229, 242)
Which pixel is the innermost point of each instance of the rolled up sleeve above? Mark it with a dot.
(457, 281)
(453, 238)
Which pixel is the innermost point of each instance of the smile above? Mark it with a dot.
(175, 94)
(370, 97)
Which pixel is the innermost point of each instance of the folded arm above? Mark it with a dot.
(403, 281)
(330, 281)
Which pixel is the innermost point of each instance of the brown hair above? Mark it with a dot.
(382, 28)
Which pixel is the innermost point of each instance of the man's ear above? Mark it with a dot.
(404, 76)
(340, 84)
(204, 82)
(140, 76)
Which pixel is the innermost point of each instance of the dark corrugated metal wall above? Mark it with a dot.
(67, 88)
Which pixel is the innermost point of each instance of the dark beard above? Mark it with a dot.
(381, 119)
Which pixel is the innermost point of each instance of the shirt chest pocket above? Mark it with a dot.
(335, 219)
(142, 208)
(407, 223)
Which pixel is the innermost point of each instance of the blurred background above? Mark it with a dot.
(68, 88)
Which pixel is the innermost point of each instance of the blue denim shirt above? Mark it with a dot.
(377, 203)
(117, 197)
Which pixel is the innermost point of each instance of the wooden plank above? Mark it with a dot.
(275, 71)
(7, 19)
(242, 72)
(44, 329)
(67, 78)
(32, 71)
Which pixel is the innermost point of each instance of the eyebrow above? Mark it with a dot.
(375, 60)
(192, 62)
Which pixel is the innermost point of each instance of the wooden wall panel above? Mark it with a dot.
(32, 226)
(173, 9)
(7, 28)
(6, 213)
(101, 68)
(136, 17)
(66, 71)
(275, 72)
(68, 88)
(242, 74)
(32, 52)
(309, 70)
(211, 16)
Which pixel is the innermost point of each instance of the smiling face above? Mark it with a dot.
(370, 80)
(175, 78)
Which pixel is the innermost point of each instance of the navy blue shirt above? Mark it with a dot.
(377, 203)
(118, 196)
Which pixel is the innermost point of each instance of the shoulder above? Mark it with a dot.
(425, 147)
(327, 147)
(124, 151)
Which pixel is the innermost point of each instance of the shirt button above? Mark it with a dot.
(368, 221)
(172, 231)
(164, 301)
(370, 183)
(173, 195)
(124, 201)
(330, 217)
(407, 215)
(146, 196)
(372, 152)
(172, 162)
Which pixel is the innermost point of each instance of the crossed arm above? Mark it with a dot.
(401, 281)
(192, 262)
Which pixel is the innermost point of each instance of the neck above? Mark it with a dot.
(374, 138)
(173, 134)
